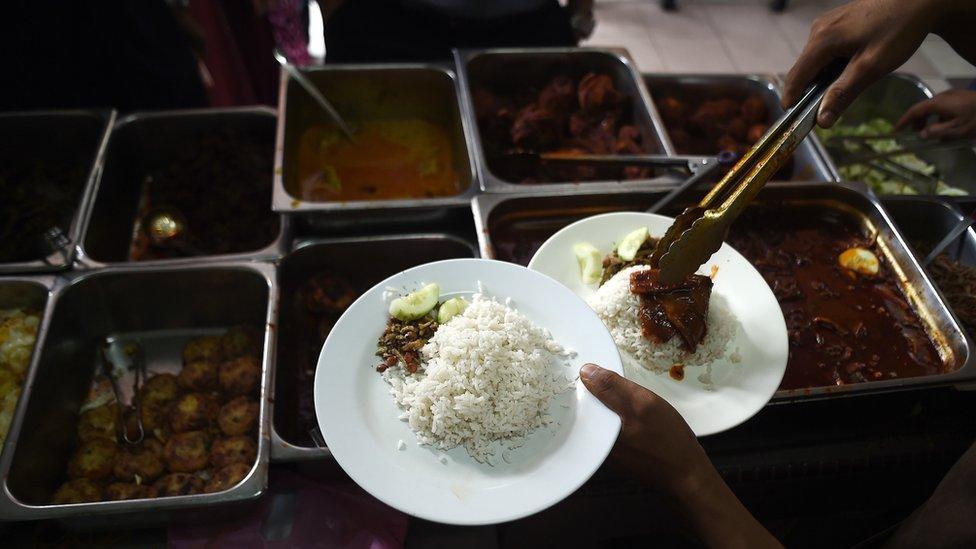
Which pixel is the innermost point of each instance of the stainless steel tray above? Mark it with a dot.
(536, 66)
(544, 214)
(807, 163)
(429, 91)
(89, 305)
(344, 257)
(889, 98)
(60, 134)
(144, 141)
(925, 220)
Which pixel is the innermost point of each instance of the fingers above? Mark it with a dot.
(948, 129)
(617, 393)
(815, 56)
(917, 113)
(858, 75)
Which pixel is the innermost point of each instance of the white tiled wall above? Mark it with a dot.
(735, 36)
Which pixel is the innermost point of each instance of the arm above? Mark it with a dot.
(660, 450)
(877, 36)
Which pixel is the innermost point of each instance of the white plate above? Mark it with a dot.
(358, 417)
(740, 390)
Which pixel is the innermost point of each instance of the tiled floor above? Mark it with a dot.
(735, 36)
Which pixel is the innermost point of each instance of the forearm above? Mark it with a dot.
(717, 515)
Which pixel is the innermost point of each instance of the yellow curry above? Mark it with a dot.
(389, 159)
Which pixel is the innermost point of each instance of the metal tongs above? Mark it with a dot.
(128, 356)
(698, 232)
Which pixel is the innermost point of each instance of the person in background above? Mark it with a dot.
(420, 30)
(949, 115)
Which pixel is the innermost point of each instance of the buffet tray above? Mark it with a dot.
(536, 66)
(428, 90)
(86, 306)
(543, 215)
(889, 98)
(140, 142)
(346, 257)
(49, 134)
(807, 162)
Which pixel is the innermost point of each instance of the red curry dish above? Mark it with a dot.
(844, 327)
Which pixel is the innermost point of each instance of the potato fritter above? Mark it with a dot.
(176, 484)
(240, 376)
(238, 416)
(192, 412)
(187, 452)
(118, 491)
(100, 422)
(237, 449)
(227, 477)
(79, 490)
(202, 348)
(93, 460)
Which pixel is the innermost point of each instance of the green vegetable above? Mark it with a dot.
(628, 247)
(450, 309)
(417, 304)
(590, 262)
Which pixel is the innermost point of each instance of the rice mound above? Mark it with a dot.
(618, 308)
(487, 377)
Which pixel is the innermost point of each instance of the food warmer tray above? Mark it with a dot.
(537, 65)
(429, 90)
(889, 98)
(311, 256)
(85, 132)
(84, 307)
(140, 142)
(540, 215)
(808, 164)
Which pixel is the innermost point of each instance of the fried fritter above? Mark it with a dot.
(101, 422)
(202, 348)
(240, 340)
(93, 460)
(187, 452)
(160, 389)
(141, 464)
(238, 416)
(237, 449)
(176, 484)
(79, 490)
(193, 411)
(198, 375)
(118, 491)
(227, 477)
(240, 376)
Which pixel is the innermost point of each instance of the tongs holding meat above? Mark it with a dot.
(698, 232)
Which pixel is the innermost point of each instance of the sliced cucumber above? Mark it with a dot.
(416, 304)
(590, 262)
(628, 247)
(450, 309)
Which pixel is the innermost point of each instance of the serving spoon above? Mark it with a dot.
(303, 81)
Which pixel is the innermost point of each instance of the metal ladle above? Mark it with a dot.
(166, 228)
(296, 74)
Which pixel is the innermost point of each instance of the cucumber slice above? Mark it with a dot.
(451, 308)
(590, 262)
(416, 304)
(628, 247)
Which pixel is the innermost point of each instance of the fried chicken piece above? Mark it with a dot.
(79, 490)
(236, 449)
(176, 484)
(737, 128)
(238, 416)
(756, 132)
(753, 109)
(188, 452)
(227, 477)
(673, 111)
(240, 376)
(712, 118)
(597, 92)
(559, 95)
(536, 128)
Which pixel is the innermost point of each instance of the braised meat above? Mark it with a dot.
(597, 92)
(669, 309)
(536, 128)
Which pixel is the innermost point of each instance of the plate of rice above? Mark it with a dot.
(451, 392)
(740, 360)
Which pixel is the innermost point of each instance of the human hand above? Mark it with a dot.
(877, 36)
(655, 444)
(956, 112)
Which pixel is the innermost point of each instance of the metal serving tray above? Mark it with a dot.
(429, 91)
(82, 134)
(889, 98)
(807, 163)
(87, 306)
(543, 215)
(142, 142)
(925, 221)
(345, 257)
(498, 68)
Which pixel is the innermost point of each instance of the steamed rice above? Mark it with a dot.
(618, 308)
(489, 375)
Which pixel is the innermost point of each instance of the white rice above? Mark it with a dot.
(618, 308)
(489, 375)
